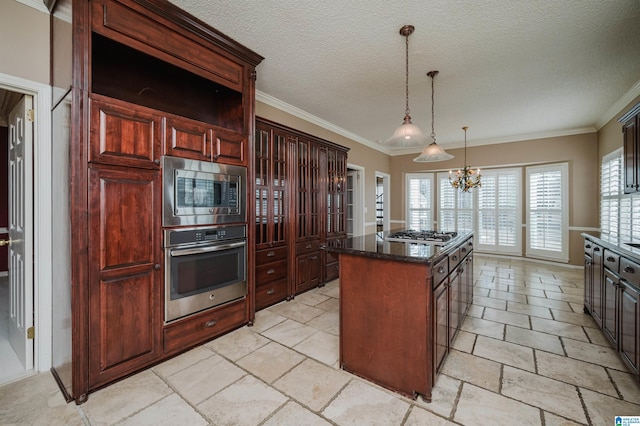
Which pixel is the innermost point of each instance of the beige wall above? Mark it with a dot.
(610, 135)
(580, 151)
(359, 155)
(24, 42)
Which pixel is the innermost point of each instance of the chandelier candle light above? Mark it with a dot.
(433, 151)
(408, 134)
(467, 178)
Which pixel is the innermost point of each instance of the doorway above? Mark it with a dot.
(383, 222)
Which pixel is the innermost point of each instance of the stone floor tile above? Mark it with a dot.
(605, 356)
(183, 361)
(480, 407)
(265, 319)
(205, 378)
(321, 346)
(328, 322)
(553, 420)
(296, 311)
(312, 384)
(289, 332)
(549, 303)
(360, 403)
(311, 298)
(575, 372)
(420, 417)
(565, 297)
(293, 414)
(483, 327)
(476, 311)
(557, 328)
(527, 291)
(246, 402)
(469, 368)
(124, 398)
(482, 292)
(169, 411)
(465, 341)
(524, 308)
(271, 361)
(603, 409)
(550, 395)
(534, 339)
(627, 384)
(238, 344)
(506, 317)
(489, 302)
(332, 290)
(596, 336)
(508, 296)
(443, 396)
(505, 352)
(330, 305)
(577, 318)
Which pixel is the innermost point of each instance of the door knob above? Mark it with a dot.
(5, 242)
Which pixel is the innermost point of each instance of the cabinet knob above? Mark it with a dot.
(156, 266)
(210, 323)
(271, 271)
(271, 291)
(454, 257)
(610, 259)
(271, 254)
(596, 249)
(308, 246)
(440, 270)
(588, 246)
(156, 161)
(463, 249)
(628, 269)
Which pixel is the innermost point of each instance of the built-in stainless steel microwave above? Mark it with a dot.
(202, 193)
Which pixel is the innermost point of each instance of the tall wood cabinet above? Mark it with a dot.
(300, 205)
(631, 142)
(141, 79)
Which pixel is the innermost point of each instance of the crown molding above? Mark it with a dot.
(36, 4)
(617, 107)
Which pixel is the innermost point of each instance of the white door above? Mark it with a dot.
(20, 230)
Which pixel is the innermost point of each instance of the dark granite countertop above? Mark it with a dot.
(616, 244)
(376, 246)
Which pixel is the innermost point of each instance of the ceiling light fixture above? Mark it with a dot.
(408, 134)
(467, 178)
(432, 152)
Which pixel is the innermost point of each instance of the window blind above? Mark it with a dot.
(455, 208)
(419, 201)
(619, 212)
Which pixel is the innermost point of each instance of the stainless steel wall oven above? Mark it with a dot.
(204, 267)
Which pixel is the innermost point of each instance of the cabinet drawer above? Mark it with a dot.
(588, 247)
(270, 293)
(331, 257)
(271, 271)
(611, 261)
(454, 258)
(307, 247)
(466, 248)
(630, 271)
(188, 139)
(201, 327)
(271, 255)
(440, 271)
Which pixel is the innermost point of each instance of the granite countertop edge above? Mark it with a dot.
(615, 245)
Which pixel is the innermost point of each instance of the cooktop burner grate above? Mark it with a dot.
(411, 235)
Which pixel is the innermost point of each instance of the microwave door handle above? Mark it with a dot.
(198, 250)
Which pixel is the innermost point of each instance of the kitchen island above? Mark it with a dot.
(401, 305)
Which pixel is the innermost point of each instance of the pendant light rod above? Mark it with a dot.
(406, 31)
(432, 74)
(433, 151)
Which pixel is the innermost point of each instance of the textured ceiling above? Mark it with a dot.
(510, 70)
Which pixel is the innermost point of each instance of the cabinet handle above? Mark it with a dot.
(270, 291)
(454, 257)
(156, 266)
(588, 263)
(628, 269)
(271, 254)
(596, 249)
(313, 257)
(441, 270)
(588, 246)
(308, 246)
(463, 249)
(271, 271)
(156, 161)
(210, 323)
(610, 259)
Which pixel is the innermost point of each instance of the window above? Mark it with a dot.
(455, 208)
(547, 218)
(420, 201)
(499, 228)
(619, 212)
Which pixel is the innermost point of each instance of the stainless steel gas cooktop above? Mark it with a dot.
(413, 236)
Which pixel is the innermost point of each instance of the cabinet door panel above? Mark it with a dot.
(441, 325)
(125, 278)
(609, 320)
(630, 325)
(598, 285)
(631, 155)
(188, 139)
(124, 134)
(228, 147)
(454, 304)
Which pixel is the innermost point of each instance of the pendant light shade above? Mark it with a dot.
(433, 151)
(408, 134)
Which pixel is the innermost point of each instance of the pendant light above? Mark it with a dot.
(467, 178)
(432, 152)
(408, 134)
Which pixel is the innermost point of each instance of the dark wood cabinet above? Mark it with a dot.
(146, 79)
(631, 143)
(612, 297)
(300, 205)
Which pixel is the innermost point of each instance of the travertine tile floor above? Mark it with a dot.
(526, 355)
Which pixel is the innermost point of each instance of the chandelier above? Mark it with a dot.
(408, 134)
(433, 151)
(466, 178)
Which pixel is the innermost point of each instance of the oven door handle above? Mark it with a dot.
(198, 250)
